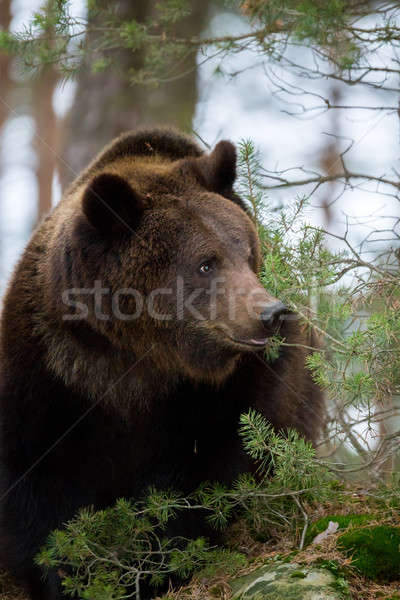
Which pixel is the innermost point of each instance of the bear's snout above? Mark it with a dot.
(272, 316)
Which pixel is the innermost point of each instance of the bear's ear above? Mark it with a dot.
(217, 170)
(110, 204)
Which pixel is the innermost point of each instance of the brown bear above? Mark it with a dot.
(133, 336)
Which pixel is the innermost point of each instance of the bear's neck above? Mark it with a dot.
(87, 363)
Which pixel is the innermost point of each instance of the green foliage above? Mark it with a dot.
(287, 259)
(296, 262)
(322, 25)
(362, 368)
(105, 554)
(8, 43)
(109, 552)
(340, 584)
(387, 497)
(171, 11)
(54, 36)
(306, 19)
(375, 551)
(222, 561)
(133, 35)
(288, 476)
(289, 456)
(249, 184)
(356, 360)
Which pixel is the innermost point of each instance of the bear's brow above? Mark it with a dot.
(221, 243)
(206, 247)
(227, 230)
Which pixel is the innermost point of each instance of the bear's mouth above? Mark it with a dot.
(248, 343)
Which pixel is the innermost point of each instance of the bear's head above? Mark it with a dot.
(163, 256)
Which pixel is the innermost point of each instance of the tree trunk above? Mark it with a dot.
(46, 139)
(106, 104)
(330, 160)
(5, 19)
(5, 85)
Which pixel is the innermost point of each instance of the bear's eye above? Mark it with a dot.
(206, 267)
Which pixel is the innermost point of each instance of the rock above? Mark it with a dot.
(286, 581)
(330, 530)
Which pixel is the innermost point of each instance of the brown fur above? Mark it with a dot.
(64, 260)
(144, 215)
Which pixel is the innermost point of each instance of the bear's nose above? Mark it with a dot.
(272, 314)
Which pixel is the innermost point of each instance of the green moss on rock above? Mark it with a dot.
(375, 551)
(283, 582)
(344, 521)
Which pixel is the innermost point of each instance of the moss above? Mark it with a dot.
(344, 522)
(375, 551)
(289, 581)
(299, 574)
(293, 592)
(340, 584)
(216, 591)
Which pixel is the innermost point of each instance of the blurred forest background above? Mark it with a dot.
(314, 85)
(54, 120)
(309, 90)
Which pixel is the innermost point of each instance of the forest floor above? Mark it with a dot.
(356, 502)
(359, 503)
(8, 590)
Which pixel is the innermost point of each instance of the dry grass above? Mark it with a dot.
(8, 590)
(357, 502)
(281, 546)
